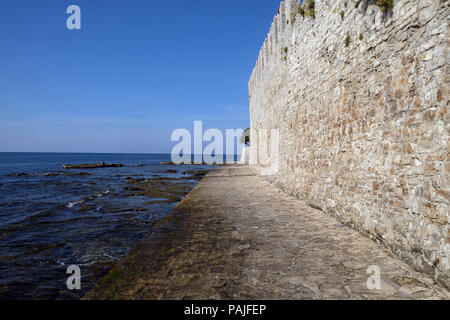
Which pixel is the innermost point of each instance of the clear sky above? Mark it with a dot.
(137, 70)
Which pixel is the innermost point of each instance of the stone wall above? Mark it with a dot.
(361, 104)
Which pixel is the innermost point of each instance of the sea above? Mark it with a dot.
(52, 218)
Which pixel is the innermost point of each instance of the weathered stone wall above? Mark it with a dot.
(364, 128)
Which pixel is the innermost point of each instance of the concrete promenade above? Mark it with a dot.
(235, 236)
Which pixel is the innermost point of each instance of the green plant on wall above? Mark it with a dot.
(284, 52)
(301, 11)
(294, 17)
(385, 4)
(347, 41)
(308, 9)
(310, 6)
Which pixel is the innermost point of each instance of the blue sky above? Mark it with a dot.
(137, 70)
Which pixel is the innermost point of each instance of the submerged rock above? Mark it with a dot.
(86, 207)
(162, 179)
(196, 173)
(20, 174)
(76, 174)
(134, 181)
(162, 189)
(68, 174)
(173, 199)
(168, 171)
(52, 174)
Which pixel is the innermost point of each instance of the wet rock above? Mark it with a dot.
(86, 208)
(168, 171)
(162, 179)
(141, 165)
(77, 174)
(20, 174)
(166, 189)
(52, 174)
(156, 202)
(134, 181)
(196, 178)
(133, 189)
(194, 175)
(173, 199)
(200, 173)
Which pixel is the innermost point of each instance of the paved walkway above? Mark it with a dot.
(235, 236)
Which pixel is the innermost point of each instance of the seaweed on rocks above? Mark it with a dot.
(164, 189)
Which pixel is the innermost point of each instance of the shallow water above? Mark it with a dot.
(51, 218)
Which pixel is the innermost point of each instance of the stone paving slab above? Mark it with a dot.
(235, 236)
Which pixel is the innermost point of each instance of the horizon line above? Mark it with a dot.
(140, 153)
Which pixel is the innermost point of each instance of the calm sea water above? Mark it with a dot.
(51, 218)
